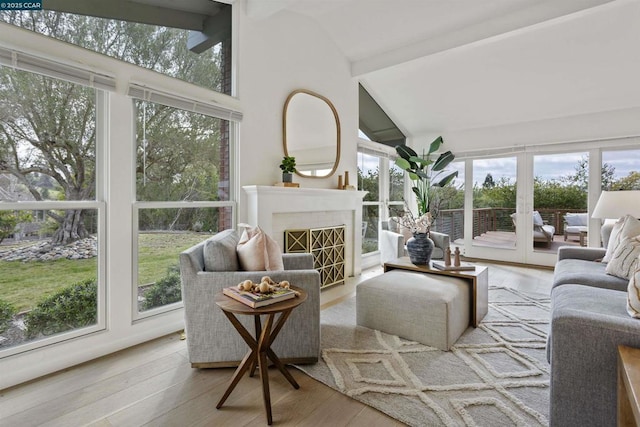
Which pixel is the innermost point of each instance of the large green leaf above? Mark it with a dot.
(413, 176)
(435, 145)
(405, 152)
(443, 161)
(422, 162)
(446, 180)
(403, 164)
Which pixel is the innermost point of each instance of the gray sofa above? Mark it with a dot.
(392, 243)
(211, 339)
(588, 322)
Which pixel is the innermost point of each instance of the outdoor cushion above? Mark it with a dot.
(575, 228)
(576, 219)
(537, 219)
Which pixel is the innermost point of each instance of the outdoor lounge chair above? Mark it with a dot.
(542, 233)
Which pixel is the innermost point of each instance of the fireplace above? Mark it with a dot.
(276, 209)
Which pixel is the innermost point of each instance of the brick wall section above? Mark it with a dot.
(224, 187)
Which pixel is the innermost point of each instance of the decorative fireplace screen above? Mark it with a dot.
(327, 247)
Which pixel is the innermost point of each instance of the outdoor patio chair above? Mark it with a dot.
(575, 223)
(542, 233)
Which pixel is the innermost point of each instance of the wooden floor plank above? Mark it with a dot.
(129, 392)
(69, 380)
(164, 400)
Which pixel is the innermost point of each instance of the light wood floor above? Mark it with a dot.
(153, 385)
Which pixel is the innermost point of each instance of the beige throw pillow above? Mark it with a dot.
(258, 252)
(633, 294)
(626, 226)
(625, 259)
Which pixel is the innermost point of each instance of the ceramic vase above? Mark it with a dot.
(420, 248)
(287, 177)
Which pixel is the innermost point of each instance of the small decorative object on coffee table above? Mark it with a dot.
(260, 346)
(442, 266)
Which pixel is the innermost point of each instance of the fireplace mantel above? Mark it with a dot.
(310, 206)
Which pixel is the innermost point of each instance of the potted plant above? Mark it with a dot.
(288, 167)
(425, 174)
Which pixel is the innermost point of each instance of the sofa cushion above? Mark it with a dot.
(625, 259)
(627, 226)
(633, 293)
(258, 252)
(588, 273)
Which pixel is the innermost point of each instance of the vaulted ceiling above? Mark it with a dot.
(447, 66)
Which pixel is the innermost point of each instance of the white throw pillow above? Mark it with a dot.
(626, 226)
(633, 294)
(625, 259)
(537, 218)
(258, 252)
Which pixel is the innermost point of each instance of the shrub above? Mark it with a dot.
(73, 307)
(7, 311)
(164, 291)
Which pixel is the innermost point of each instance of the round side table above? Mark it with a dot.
(260, 346)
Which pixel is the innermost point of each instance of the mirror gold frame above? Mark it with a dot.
(284, 129)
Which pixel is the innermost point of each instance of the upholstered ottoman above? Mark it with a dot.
(427, 308)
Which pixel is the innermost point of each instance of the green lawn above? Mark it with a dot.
(24, 284)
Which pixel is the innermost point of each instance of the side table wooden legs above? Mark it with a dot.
(260, 351)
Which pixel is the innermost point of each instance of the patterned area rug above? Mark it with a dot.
(495, 375)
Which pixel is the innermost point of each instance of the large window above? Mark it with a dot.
(621, 170)
(369, 180)
(101, 189)
(178, 162)
(448, 206)
(161, 49)
(494, 200)
(384, 182)
(50, 216)
(560, 185)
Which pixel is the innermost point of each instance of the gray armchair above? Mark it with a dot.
(392, 243)
(211, 339)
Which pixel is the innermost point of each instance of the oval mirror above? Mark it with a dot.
(311, 133)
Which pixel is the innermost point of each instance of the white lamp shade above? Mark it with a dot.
(616, 204)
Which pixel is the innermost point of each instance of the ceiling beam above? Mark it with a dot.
(216, 29)
(132, 11)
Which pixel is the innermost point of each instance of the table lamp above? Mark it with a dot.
(616, 204)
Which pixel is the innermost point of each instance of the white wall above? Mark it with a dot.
(277, 55)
